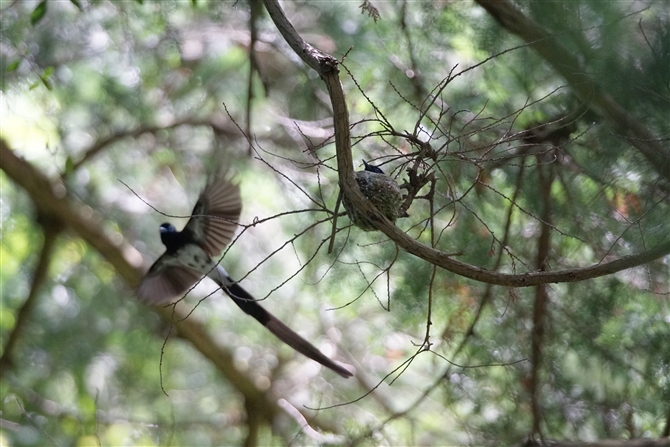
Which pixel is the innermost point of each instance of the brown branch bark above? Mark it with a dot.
(104, 143)
(586, 88)
(52, 201)
(255, 9)
(605, 443)
(51, 230)
(254, 422)
(326, 67)
(541, 302)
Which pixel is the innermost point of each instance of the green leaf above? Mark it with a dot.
(77, 4)
(69, 166)
(39, 12)
(48, 72)
(194, 2)
(46, 82)
(13, 66)
(141, 2)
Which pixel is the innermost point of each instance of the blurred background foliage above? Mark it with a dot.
(126, 102)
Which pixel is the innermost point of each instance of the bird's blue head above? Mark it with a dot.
(167, 228)
(372, 168)
(170, 237)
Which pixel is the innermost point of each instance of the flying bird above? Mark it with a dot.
(190, 253)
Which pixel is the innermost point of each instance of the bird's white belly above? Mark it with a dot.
(193, 257)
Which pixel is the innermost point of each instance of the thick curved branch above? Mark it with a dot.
(53, 202)
(326, 66)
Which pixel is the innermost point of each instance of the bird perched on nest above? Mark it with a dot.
(189, 257)
(380, 189)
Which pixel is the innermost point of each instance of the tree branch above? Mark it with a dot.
(326, 67)
(568, 66)
(540, 304)
(604, 443)
(51, 230)
(103, 143)
(52, 201)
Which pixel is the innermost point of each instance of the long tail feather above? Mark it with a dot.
(288, 336)
(247, 303)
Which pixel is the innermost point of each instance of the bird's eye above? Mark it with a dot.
(167, 228)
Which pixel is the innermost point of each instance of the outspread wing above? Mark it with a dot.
(216, 214)
(162, 284)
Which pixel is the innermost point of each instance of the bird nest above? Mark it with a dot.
(382, 191)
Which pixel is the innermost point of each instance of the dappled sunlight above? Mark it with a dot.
(514, 288)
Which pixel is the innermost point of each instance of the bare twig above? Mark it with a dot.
(568, 66)
(326, 66)
(104, 143)
(127, 262)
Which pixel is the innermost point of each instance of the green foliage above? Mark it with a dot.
(153, 94)
(39, 12)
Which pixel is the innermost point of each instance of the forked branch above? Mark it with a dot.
(327, 67)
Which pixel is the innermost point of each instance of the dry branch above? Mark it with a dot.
(605, 443)
(124, 258)
(327, 67)
(51, 230)
(567, 65)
